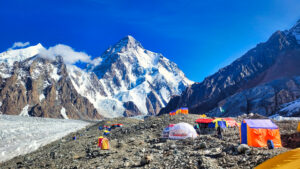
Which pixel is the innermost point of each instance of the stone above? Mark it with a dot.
(172, 146)
(146, 160)
(203, 145)
(243, 148)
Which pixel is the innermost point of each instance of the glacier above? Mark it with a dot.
(20, 135)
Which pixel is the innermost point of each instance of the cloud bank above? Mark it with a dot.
(70, 56)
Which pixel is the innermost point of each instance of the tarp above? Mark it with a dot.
(298, 128)
(182, 131)
(261, 123)
(287, 160)
(204, 120)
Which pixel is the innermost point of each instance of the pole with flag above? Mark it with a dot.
(221, 109)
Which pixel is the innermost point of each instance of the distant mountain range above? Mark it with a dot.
(264, 80)
(126, 80)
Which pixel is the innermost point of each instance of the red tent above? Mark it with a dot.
(204, 120)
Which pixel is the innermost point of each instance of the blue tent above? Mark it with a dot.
(215, 124)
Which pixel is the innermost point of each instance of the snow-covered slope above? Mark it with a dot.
(8, 58)
(290, 109)
(11, 56)
(22, 135)
(129, 73)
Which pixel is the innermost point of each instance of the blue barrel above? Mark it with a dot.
(270, 144)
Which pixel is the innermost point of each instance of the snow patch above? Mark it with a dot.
(63, 113)
(291, 107)
(54, 74)
(42, 97)
(24, 111)
(281, 118)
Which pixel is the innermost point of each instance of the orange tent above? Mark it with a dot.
(256, 132)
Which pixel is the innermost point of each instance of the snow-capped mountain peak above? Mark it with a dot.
(131, 75)
(10, 56)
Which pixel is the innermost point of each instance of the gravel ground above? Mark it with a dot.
(138, 145)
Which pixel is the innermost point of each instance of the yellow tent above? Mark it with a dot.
(103, 143)
(203, 115)
(298, 128)
(287, 160)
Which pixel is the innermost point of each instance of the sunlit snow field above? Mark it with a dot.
(21, 135)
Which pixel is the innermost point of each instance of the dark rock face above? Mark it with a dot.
(277, 58)
(263, 99)
(131, 109)
(43, 88)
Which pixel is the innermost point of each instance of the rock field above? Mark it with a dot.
(138, 145)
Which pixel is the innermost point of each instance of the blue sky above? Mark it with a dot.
(200, 36)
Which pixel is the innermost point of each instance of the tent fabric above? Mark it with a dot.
(166, 131)
(182, 110)
(230, 122)
(204, 120)
(258, 137)
(182, 131)
(216, 123)
(103, 143)
(222, 124)
(287, 160)
(261, 123)
(298, 128)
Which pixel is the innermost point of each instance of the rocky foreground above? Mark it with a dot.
(138, 145)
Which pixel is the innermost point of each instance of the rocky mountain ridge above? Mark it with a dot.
(274, 59)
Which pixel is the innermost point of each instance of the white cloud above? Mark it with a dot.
(69, 55)
(97, 61)
(19, 45)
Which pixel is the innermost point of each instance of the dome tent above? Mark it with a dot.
(165, 133)
(182, 131)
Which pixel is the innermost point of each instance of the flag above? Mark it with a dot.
(221, 110)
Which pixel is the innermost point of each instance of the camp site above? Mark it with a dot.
(173, 141)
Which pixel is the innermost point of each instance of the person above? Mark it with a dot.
(219, 132)
(198, 129)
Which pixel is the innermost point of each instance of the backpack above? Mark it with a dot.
(270, 144)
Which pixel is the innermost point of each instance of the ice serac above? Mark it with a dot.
(130, 80)
(260, 81)
(31, 85)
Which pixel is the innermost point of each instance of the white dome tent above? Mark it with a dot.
(182, 131)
